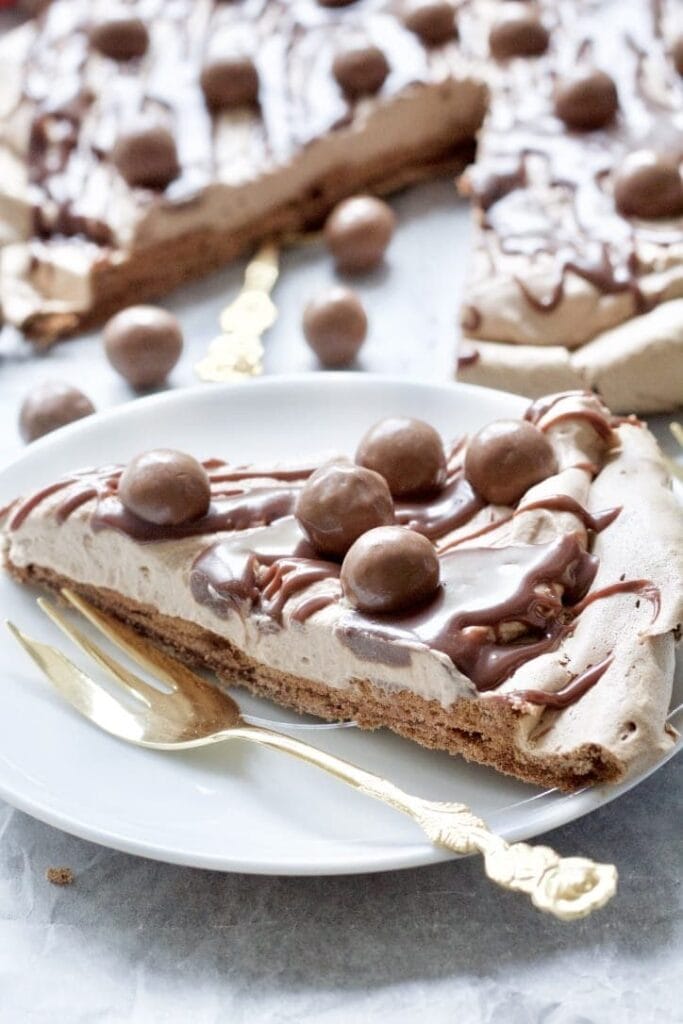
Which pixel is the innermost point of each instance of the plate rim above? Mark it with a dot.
(358, 858)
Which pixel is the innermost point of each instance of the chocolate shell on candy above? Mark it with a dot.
(586, 99)
(677, 53)
(507, 457)
(230, 81)
(339, 502)
(49, 406)
(145, 155)
(408, 453)
(120, 35)
(143, 344)
(165, 487)
(357, 233)
(539, 639)
(360, 68)
(335, 326)
(432, 20)
(649, 185)
(517, 32)
(390, 569)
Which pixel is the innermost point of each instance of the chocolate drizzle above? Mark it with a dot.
(563, 503)
(642, 588)
(496, 607)
(233, 511)
(262, 571)
(80, 102)
(569, 693)
(543, 193)
(437, 515)
(488, 596)
(573, 405)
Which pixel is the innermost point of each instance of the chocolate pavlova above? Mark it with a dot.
(514, 597)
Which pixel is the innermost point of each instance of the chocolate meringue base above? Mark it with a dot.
(635, 367)
(489, 732)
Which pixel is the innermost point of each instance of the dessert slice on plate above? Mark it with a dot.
(514, 598)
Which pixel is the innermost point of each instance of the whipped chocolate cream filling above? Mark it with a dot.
(494, 609)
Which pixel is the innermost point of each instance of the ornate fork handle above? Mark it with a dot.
(568, 887)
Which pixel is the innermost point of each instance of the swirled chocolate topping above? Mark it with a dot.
(496, 608)
(304, 66)
(270, 541)
(545, 180)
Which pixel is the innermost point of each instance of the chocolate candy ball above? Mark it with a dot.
(586, 100)
(408, 453)
(677, 53)
(357, 233)
(390, 569)
(432, 20)
(335, 326)
(165, 487)
(518, 32)
(360, 69)
(649, 185)
(143, 343)
(49, 406)
(146, 156)
(506, 458)
(339, 502)
(120, 35)
(230, 82)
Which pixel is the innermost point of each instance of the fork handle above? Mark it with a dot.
(567, 887)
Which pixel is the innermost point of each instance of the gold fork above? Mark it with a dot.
(192, 713)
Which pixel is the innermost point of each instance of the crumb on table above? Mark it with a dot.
(60, 876)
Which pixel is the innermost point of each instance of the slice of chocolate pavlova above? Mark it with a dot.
(514, 598)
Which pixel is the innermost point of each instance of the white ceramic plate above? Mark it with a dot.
(235, 807)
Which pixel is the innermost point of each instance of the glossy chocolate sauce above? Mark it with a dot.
(261, 572)
(484, 590)
(271, 496)
(437, 515)
(496, 607)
